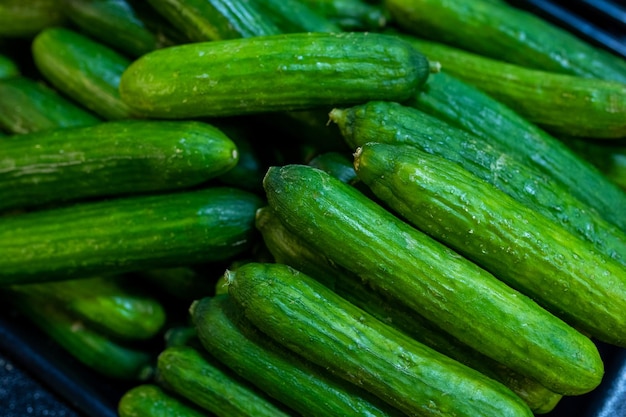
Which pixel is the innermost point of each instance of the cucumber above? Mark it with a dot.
(315, 322)
(395, 123)
(201, 379)
(27, 106)
(288, 249)
(559, 271)
(352, 15)
(501, 31)
(455, 102)
(107, 304)
(272, 73)
(127, 234)
(560, 103)
(24, 19)
(295, 16)
(85, 70)
(609, 157)
(405, 264)
(184, 282)
(210, 20)
(120, 157)
(150, 400)
(337, 164)
(310, 391)
(8, 67)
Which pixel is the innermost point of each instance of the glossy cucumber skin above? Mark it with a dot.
(27, 106)
(85, 70)
(313, 321)
(206, 382)
(296, 16)
(560, 103)
(126, 234)
(398, 260)
(20, 19)
(516, 244)
(454, 101)
(506, 33)
(311, 390)
(111, 158)
(288, 249)
(397, 124)
(272, 73)
(210, 20)
(150, 400)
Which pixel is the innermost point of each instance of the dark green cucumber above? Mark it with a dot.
(455, 102)
(609, 157)
(272, 73)
(105, 304)
(203, 380)
(407, 265)
(24, 19)
(352, 15)
(150, 400)
(210, 20)
(560, 103)
(490, 161)
(85, 70)
(111, 158)
(337, 164)
(311, 391)
(515, 243)
(313, 321)
(27, 105)
(288, 249)
(127, 234)
(8, 67)
(295, 16)
(504, 32)
(88, 346)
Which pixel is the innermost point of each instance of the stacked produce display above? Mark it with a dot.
(314, 207)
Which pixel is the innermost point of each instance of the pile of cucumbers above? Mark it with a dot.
(314, 207)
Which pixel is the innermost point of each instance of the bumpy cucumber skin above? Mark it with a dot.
(405, 264)
(28, 106)
(286, 248)
(207, 383)
(311, 390)
(85, 70)
(210, 20)
(313, 321)
(111, 158)
(519, 246)
(272, 73)
(24, 19)
(455, 102)
(150, 400)
(398, 124)
(127, 234)
(507, 33)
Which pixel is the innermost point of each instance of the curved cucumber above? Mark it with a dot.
(272, 73)
(447, 289)
(315, 322)
(516, 244)
(230, 337)
(126, 234)
(150, 400)
(111, 158)
(85, 70)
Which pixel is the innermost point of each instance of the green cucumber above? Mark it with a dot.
(311, 391)
(295, 16)
(119, 157)
(24, 19)
(127, 234)
(272, 73)
(609, 157)
(288, 249)
(455, 102)
(210, 20)
(85, 70)
(352, 15)
(337, 164)
(8, 67)
(492, 162)
(560, 103)
(559, 271)
(504, 32)
(105, 304)
(313, 321)
(206, 382)
(27, 106)
(150, 400)
(407, 265)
